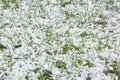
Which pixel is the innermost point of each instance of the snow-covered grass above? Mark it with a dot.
(59, 40)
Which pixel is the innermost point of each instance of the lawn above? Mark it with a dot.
(59, 40)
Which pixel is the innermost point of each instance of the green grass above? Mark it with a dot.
(65, 3)
(88, 63)
(69, 46)
(84, 34)
(18, 44)
(68, 15)
(2, 46)
(116, 69)
(57, 42)
(103, 23)
(46, 75)
(7, 3)
(60, 64)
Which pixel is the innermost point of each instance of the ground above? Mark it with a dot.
(59, 40)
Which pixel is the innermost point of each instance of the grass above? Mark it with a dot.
(69, 46)
(47, 75)
(84, 34)
(18, 44)
(59, 40)
(103, 23)
(116, 69)
(7, 3)
(65, 3)
(68, 15)
(60, 64)
(88, 63)
(2, 46)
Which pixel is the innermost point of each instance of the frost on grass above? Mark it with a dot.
(59, 39)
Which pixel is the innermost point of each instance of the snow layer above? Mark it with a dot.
(60, 40)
